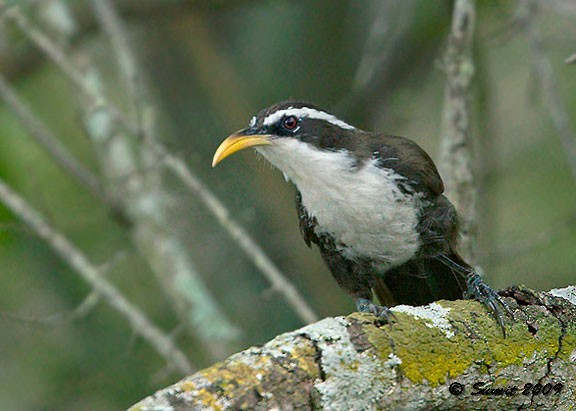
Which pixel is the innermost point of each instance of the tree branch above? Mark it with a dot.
(457, 163)
(80, 263)
(44, 137)
(83, 309)
(277, 279)
(113, 26)
(428, 359)
(18, 58)
(280, 284)
(57, 55)
(134, 177)
(105, 112)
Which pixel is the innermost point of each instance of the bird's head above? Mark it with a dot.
(292, 135)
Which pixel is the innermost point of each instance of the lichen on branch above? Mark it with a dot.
(431, 357)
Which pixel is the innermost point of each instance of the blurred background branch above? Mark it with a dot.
(44, 137)
(127, 64)
(113, 109)
(278, 281)
(457, 160)
(68, 252)
(142, 198)
(18, 58)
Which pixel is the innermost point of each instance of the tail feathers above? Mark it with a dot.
(421, 281)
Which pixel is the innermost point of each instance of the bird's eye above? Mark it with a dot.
(290, 123)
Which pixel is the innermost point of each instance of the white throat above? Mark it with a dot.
(360, 206)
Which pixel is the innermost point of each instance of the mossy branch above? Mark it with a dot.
(428, 359)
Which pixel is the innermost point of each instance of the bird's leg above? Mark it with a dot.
(354, 277)
(364, 305)
(481, 291)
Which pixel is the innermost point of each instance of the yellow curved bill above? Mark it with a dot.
(237, 142)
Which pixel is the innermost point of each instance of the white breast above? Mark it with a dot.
(362, 208)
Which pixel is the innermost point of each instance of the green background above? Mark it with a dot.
(210, 66)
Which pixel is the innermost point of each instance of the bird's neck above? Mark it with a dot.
(357, 203)
(307, 166)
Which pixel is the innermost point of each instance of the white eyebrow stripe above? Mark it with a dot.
(309, 113)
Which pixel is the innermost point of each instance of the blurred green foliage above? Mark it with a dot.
(210, 68)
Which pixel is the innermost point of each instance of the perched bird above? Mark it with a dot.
(373, 205)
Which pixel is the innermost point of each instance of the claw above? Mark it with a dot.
(364, 305)
(480, 291)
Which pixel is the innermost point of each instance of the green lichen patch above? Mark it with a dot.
(568, 349)
(226, 377)
(243, 380)
(427, 354)
(371, 327)
(238, 372)
(521, 344)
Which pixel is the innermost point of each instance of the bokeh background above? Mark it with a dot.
(205, 67)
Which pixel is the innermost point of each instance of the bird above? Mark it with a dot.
(373, 204)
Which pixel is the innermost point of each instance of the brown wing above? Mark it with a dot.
(438, 223)
(407, 159)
